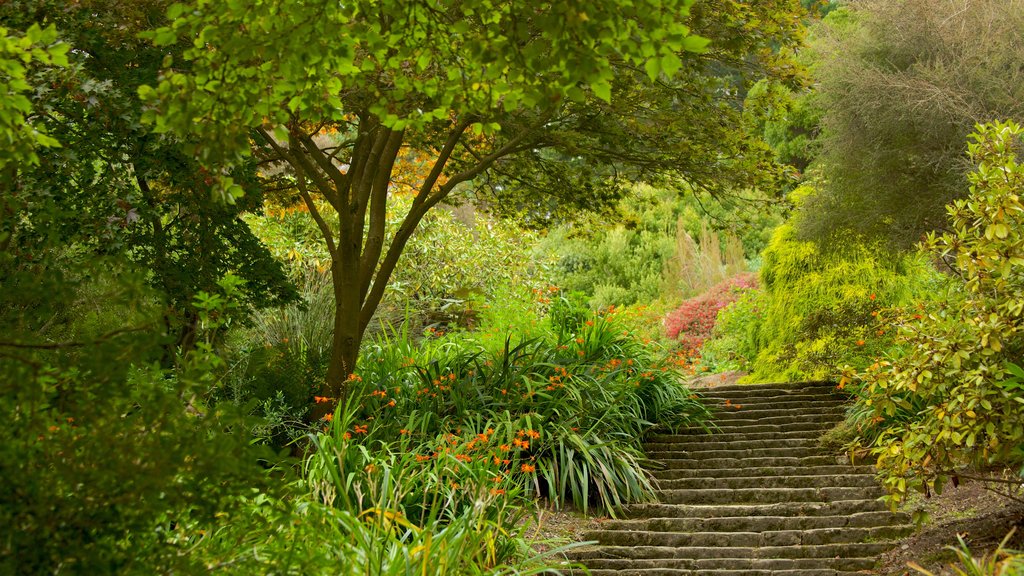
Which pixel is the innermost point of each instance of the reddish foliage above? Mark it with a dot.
(693, 321)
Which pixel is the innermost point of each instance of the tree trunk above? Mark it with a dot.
(348, 334)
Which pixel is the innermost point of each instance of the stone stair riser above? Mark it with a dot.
(813, 537)
(718, 436)
(663, 510)
(701, 454)
(858, 550)
(761, 472)
(845, 481)
(761, 523)
(717, 463)
(713, 443)
(800, 426)
(768, 495)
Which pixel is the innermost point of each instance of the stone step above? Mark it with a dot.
(834, 508)
(719, 436)
(803, 401)
(811, 537)
(762, 523)
(745, 572)
(714, 565)
(768, 495)
(839, 480)
(719, 463)
(801, 426)
(740, 420)
(712, 443)
(823, 551)
(704, 454)
(762, 471)
(755, 390)
(749, 567)
(725, 414)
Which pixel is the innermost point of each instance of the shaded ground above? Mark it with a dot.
(551, 529)
(981, 517)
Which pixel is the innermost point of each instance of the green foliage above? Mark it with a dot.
(903, 84)
(380, 511)
(114, 189)
(662, 247)
(104, 453)
(37, 47)
(816, 308)
(954, 396)
(571, 404)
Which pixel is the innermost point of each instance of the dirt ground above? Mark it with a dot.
(973, 511)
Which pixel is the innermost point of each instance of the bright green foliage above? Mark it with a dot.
(383, 511)
(954, 396)
(1000, 562)
(815, 310)
(406, 64)
(521, 106)
(115, 189)
(18, 136)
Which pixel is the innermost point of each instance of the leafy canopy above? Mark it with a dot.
(408, 64)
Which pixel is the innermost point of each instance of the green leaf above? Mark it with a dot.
(602, 89)
(670, 64)
(697, 44)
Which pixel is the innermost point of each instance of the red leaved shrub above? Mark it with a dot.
(693, 321)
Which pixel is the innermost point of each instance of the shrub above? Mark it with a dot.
(692, 323)
(816, 309)
(953, 397)
(570, 405)
(902, 85)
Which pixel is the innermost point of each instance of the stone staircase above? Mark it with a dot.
(757, 497)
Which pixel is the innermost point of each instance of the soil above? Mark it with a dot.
(550, 529)
(718, 379)
(973, 511)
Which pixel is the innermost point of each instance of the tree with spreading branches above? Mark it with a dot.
(528, 106)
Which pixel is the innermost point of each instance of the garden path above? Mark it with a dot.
(756, 497)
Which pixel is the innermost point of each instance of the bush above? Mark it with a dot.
(569, 406)
(953, 396)
(903, 84)
(816, 308)
(692, 323)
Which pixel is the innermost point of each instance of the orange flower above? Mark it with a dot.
(403, 431)
(504, 447)
(329, 416)
(497, 492)
(321, 399)
(872, 297)
(860, 342)
(533, 434)
(528, 468)
(392, 404)
(346, 436)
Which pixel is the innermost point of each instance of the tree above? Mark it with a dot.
(102, 464)
(117, 188)
(902, 85)
(514, 97)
